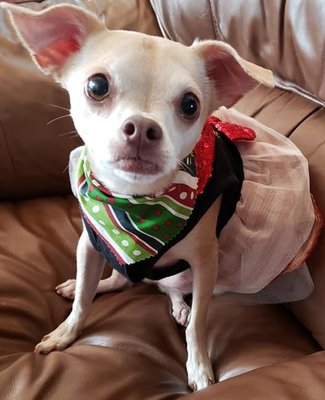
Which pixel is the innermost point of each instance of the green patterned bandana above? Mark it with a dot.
(135, 228)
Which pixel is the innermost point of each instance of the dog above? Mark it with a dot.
(139, 103)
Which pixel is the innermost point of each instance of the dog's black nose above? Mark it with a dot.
(139, 128)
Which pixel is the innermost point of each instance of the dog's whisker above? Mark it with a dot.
(65, 169)
(61, 108)
(58, 118)
(67, 133)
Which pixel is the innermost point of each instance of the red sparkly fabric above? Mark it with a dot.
(234, 132)
(204, 154)
(204, 149)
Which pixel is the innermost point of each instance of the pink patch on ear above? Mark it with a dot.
(227, 74)
(56, 54)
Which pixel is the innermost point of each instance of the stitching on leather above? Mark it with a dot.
(2, 129)
(305, 118)
(215, 21)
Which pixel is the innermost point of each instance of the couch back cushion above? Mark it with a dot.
(33, 150)
(285, 37)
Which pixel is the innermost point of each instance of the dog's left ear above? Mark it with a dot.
(231, 75)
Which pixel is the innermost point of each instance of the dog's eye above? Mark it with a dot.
(189, 106)
(97, 87)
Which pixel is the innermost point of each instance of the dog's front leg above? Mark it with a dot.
(204, 265)
(89, 271)
(199, 368)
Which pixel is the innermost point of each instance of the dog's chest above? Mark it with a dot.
(200, 245)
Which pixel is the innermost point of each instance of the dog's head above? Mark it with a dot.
(138, 102)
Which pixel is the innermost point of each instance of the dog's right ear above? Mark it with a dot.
(53, 35)
(231, 75)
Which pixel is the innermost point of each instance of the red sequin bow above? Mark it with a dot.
(204, 149)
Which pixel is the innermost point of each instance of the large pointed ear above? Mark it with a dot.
(52, 36)
(231, 76)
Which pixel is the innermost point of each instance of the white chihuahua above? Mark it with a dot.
(140, 104)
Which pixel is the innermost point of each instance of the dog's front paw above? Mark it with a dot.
(67, 289)
(58, 339)
(200, 374)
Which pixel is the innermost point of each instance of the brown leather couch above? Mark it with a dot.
(131, 348)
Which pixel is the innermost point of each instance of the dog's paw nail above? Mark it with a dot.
(39, 349)
(193, 387)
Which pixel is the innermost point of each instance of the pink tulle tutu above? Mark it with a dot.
(274, 227)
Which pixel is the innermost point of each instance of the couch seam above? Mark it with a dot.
(9, 154)
(215, 20)
(305, 118)
(311, 155)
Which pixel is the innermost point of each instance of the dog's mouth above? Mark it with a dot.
(137, 165)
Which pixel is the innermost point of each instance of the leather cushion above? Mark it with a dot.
(130, 347)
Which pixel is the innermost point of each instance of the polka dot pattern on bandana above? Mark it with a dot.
(135, 228)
